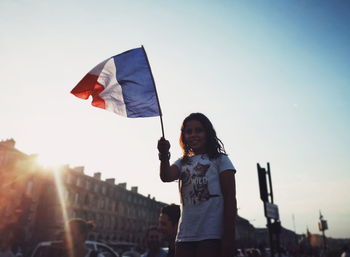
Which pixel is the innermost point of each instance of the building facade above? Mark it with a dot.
(20, 188)
(119, 214)
(39, 201)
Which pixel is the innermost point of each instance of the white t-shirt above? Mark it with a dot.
(202, 199)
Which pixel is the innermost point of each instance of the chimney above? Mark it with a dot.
(97, 175)
(110, 181)
(9, 143)
(134, 189)
(79, 169)
(123, 185)
(65, 166)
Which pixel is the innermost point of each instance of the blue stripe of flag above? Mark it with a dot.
(134, 75)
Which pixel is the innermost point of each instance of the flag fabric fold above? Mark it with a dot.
(122, 84)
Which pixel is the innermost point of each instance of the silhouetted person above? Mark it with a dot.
(76, 235)
(168, 223)
(153, 241)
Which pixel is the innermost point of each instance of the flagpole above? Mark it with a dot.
(155, 89)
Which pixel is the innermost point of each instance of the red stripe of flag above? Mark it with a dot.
(89, 86)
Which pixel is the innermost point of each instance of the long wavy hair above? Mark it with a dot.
(214, 146)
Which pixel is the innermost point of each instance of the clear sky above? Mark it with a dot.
(273, 77)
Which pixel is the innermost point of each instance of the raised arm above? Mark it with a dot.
(168, 172)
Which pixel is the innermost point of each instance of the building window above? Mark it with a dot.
(86, 199)
(107, 222)
(69, 179)
(65, 194)
(96, 188)
(76, 198)
(111, 193)
(88, 185)
(121, 209)
(29, 188)
(102, 221)
(79, 182)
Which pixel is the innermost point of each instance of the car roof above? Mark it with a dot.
(60, 243)
(47, 243)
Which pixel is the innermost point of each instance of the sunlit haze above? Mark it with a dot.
(272, 76)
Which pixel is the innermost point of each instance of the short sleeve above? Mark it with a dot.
(224, 163)
(178, 164)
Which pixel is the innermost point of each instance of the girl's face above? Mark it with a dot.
(195, 136)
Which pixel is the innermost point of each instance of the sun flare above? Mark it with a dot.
(49, 160)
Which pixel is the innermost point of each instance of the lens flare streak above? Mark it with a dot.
(57, 172)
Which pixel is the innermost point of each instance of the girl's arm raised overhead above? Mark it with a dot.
(228, 188)
(167, 173)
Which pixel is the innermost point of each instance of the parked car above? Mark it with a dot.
(240, 253)
(56, 249)
(131, 253)
(121, 247)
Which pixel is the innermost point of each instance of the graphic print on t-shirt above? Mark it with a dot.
(200, 192)
(196, 183)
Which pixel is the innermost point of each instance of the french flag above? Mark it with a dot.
(122, 84)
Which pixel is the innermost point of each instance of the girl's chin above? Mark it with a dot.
(198, 151)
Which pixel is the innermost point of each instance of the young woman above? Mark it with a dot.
(78, 230)
(207, 188)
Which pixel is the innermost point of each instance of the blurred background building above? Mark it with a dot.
(38, 200)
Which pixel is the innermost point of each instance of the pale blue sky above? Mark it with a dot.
(273, 76)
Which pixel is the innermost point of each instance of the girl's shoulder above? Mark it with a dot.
(222, 157)
(223, 162)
